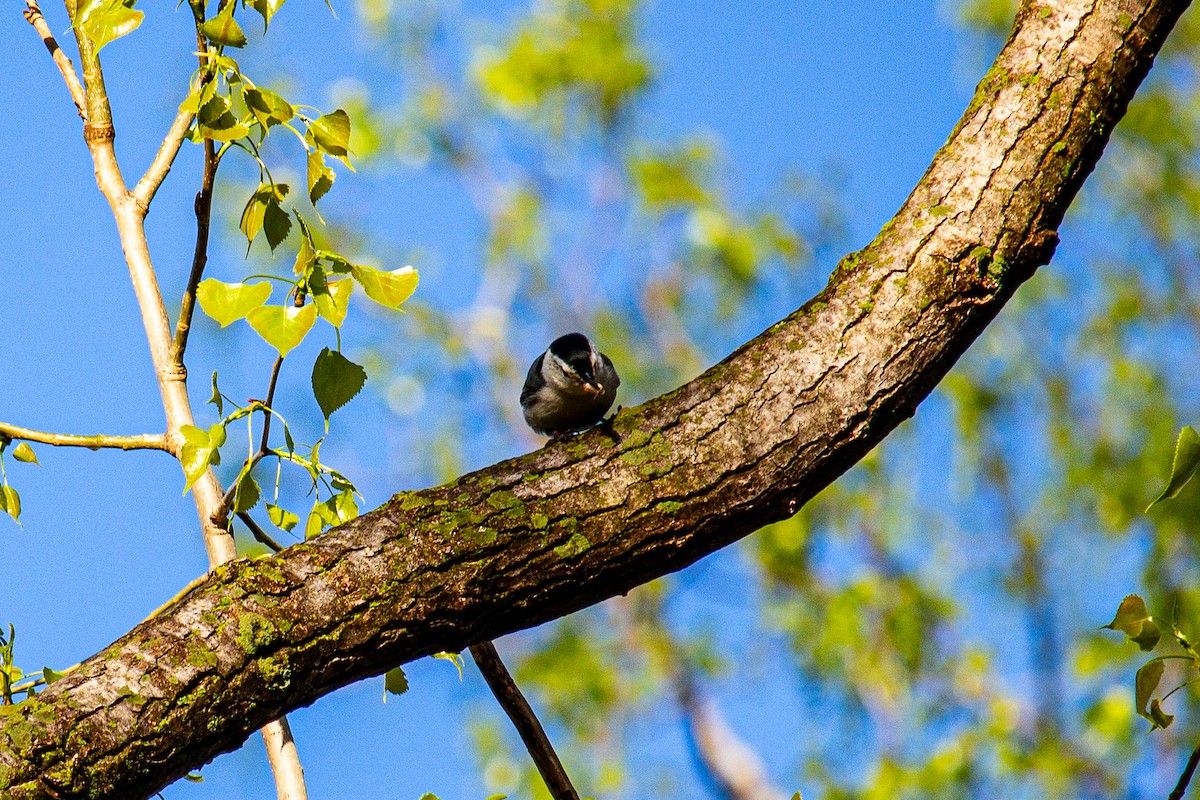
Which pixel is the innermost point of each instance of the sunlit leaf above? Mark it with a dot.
(281, 517)
(200, 449)
(195, 777)
(389, 289)
(215, 120)
(267, 9)
(50, 676)
(320, 176)
(331, 133)
(228, 302)
(223, 29)
(10, 502)
(454, 658)
(283, 327)
(1160, 718)
(102, 21)
(216, 398)
(267, 107)
(23, 452)
(263, 210)
(335, 381)
(1183, 467)
(1145, 683)
(334, 302)
(247, 495)
(394, 682)
(1134, 620)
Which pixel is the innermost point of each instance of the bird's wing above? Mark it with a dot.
(533, 380)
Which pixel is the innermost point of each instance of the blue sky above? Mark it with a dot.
(872, 87)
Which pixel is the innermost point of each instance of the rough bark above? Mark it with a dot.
(533, 538)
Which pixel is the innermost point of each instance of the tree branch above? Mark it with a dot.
(533, 538)
(1185, 778)
(508, 694)
(143, 441)
(33, 15)
(163, 159)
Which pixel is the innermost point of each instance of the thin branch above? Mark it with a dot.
(258, 533)
(526, 722)
(1186, 777)
(263, 450)
(163, 159)
(33, 15)
(200, 254)
(144, 441)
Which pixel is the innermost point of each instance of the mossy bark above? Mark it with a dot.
(540, 536)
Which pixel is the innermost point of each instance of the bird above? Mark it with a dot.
(569, 387)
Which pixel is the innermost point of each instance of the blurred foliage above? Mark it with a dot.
(933, 614)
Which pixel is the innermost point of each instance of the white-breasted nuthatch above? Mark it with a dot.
(569, 387)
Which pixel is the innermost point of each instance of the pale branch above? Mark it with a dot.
(156, 173)
(33, 15)
(130, 217)
(508, 694)
(144, 441)
(533, 538)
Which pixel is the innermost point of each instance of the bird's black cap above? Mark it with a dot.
(575, 350)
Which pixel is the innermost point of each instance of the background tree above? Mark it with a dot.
(848, 588)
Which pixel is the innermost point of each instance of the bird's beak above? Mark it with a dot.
(592, 388)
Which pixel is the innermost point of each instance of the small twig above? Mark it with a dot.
(163, 159)
(1186, 777)
(257, 531)
(263, 449)
(33, 15)
(144, 441)
(200, 254)
(526, 722)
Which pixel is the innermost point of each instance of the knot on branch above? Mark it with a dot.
(98, 133)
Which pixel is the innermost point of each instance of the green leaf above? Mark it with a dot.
(247, 494)
(331, 133)
(429, 796)
(268, 108)
(102, 21)
(227, 303)
(320, 176)
(389, 289)
(1145, 683)
(216, 121)
(50, 676)
(283, 327)
(335, 381)
(1158, 717)
(23, 452)
(10, 502)
(216, 398)
(1187, 458)
(263, 211)
(454, 658)
(497, 797)
(394, 682)
(200, 449)
(196, 777)
(267, 8)
(1134, 620)
(282, 518)
(334, 302)
(223, 29)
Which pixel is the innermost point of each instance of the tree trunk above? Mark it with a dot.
(537, 537)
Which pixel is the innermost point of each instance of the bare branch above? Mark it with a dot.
(508, 694)
(163, 159)
(144, 441)
(263, 449)
(1186, 778)
(33, 15)
(258, 533)
(199, 255)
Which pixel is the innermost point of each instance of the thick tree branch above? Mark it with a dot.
(143, 441)
(156, 173)
(533, 538)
